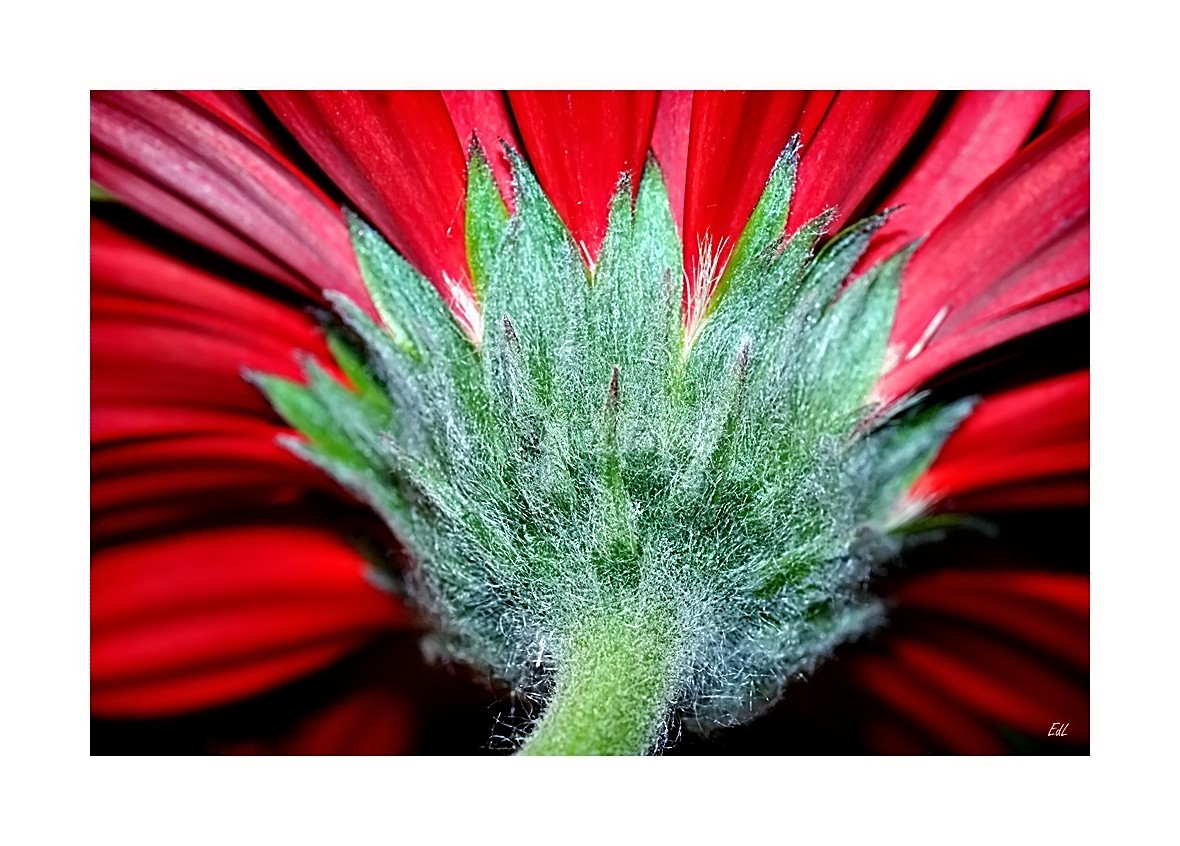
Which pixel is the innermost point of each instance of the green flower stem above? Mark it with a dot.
(615, 684)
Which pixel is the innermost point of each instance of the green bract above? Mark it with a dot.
(601, 506)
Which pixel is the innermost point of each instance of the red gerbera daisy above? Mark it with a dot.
(819, 367)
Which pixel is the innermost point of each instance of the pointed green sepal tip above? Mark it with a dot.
(767, 223)
(304, 412)
(523, 179)
(485, 217)
(534, 210)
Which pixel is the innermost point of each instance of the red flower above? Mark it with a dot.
(224, 567)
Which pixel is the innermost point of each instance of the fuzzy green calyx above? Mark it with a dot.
(728, 490)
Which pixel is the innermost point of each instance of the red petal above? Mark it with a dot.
(579, 144)
(192, 507)
(1062, 590)
(669, 142)
(135, 361)
(1055, 491)
(982, 130)
(1049, 621)
(1022, 233)
(203, 486)
(232, 449)
(735, 139)
(889, 735)
(954, 728)
(861, 135)
(1049, 412)
(112, 422)
(994, 680)
(176, 433)
(233, 107)
(367, 705)
(1021, 319)
(485, 113)
(979, 650)
(372, 721)
(1027, 434)
(193, 476)
(165, 480)
(396, 155)
(1066, 103)
(122, 266)
(170, 158)
(198, 688)
(196, 620)
(953, 480)
(177, 213)
(164, 332)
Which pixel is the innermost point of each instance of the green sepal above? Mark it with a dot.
(763, 231)
(848, 352)
(358, 419)
(909, 443)
(352, 365)
(839, 256)
(633, 318)
(540, 282)
(409, 305)
(305, 412)
(485, 219)
(763, 307)
(657, 241)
